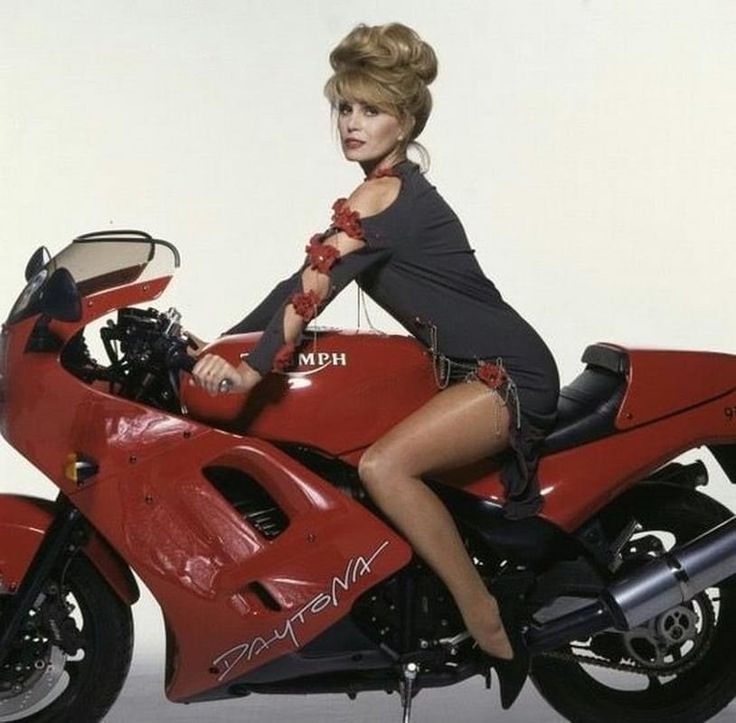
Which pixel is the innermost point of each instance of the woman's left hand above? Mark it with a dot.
(211, 370)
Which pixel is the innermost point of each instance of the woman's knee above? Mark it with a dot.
(376, 468)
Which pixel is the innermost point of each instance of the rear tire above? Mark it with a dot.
(585, 693)
(80, 687)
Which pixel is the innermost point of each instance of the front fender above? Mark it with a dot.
(23, 523)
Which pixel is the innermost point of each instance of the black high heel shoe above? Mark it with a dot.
(512, 674)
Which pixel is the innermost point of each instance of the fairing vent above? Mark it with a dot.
(249, 499)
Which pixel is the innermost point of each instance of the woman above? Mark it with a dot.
(406, 248)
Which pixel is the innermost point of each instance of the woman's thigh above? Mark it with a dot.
(459, 425)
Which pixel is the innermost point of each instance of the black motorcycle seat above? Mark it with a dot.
(587, 407)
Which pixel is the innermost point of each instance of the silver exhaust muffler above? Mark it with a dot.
(670, 580)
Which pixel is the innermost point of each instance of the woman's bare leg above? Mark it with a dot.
(458, 426)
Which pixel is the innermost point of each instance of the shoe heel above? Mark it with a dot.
(512, 674)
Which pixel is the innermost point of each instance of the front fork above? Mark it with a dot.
(65, 535)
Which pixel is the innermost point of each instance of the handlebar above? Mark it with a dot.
(180, 360)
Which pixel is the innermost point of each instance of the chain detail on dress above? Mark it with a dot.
(363, 306)
(492, 374)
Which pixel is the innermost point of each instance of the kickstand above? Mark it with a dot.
(407, 689)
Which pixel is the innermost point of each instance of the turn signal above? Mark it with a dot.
(79, 468)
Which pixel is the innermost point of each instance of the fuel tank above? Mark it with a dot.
(344, 391)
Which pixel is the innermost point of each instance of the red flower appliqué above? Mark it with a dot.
(382, 173)
(322, 256)
(283, 357)
(306, 304)
(345, 219)
(491, 374)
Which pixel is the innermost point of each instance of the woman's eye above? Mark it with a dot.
(343, 109)
(371, 110)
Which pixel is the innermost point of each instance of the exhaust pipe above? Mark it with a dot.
(664, 583)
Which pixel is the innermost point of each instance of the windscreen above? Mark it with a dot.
(98, 263)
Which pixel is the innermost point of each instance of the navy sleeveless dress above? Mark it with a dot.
(418, 265)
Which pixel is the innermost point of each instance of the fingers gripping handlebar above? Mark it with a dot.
(147, 349)
(183, 361)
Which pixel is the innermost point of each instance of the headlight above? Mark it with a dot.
(28, 295)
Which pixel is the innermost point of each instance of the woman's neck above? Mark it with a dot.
(372, 168)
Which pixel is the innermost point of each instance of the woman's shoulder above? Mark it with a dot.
(375, 195)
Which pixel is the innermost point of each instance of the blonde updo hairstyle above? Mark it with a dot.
(387, 66)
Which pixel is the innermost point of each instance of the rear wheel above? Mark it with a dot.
(679, 667)
(72, 655)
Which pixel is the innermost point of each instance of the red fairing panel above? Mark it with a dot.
(662, 382)
(577, 483)
(196, 553)
(24, 520)
(346, 391)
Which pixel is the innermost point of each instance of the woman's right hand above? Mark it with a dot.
(212, 370)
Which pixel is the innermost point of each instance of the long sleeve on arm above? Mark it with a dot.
(331, 259)
(272, 342)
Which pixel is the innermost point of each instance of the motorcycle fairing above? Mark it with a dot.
(193, 550)
(663, 382)
(25, 520)
(204, 562)
(578, 482)
(342, 649)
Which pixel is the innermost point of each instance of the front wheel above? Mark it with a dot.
(679, 667)
(73, 654)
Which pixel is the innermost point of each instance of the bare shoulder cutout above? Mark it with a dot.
(374, 196)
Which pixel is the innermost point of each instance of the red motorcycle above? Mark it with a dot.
(275, 573)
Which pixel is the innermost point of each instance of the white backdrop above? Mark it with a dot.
(588, 146)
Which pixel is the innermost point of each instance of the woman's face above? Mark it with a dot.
(367, 133)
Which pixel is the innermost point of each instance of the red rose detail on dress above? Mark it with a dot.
(306, 304)
(345, 219)
(492, 375)
(283, 357)
(322, 256)
(382, 172)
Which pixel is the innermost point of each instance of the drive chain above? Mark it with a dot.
(624, 667)
(637, 669)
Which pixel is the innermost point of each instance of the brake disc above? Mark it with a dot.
(39, 682)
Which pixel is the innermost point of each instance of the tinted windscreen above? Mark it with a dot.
(99, 264)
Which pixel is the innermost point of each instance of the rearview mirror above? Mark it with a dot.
(40, 258)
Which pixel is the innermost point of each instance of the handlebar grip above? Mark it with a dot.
(186, 363)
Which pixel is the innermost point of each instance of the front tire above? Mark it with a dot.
(39, 681)
(686, 683)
